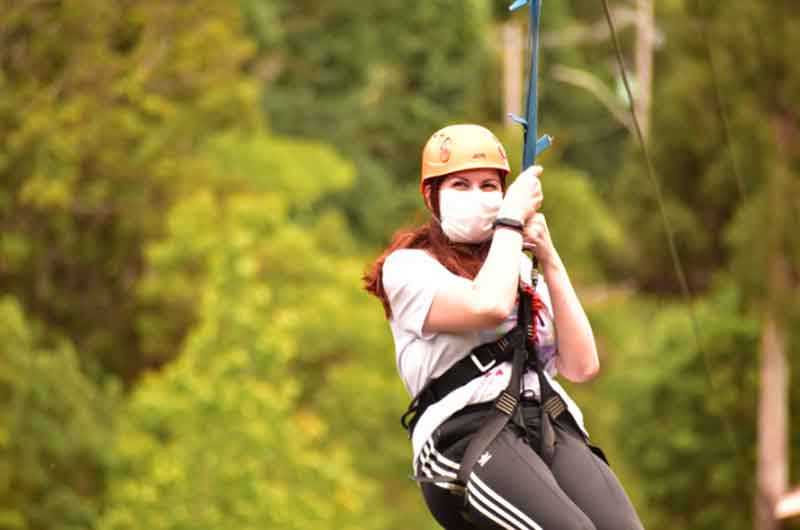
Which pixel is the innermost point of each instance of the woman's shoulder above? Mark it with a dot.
(406, 257)
(408, 266)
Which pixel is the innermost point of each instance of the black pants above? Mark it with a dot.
(511, 487)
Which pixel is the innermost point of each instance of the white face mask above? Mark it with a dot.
(467, 216)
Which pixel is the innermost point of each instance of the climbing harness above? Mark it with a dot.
(526, 354)
(480, 361)
(520, 346)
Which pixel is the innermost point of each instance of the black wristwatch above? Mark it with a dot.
(507, 222)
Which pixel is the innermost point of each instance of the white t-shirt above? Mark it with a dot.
(411, 278)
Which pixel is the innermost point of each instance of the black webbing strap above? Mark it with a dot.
(552, 407)
(506, 403)
(480, 360)
(513, 346)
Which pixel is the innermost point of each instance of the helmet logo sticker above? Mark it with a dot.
(478, 156)
(444, 150)
(502, 151)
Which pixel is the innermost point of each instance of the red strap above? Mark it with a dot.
(536, 306)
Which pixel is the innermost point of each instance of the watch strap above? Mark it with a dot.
(508, 222)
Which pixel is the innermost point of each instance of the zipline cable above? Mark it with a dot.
(676, 261)
(723, 110)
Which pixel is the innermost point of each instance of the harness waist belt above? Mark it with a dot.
(514, 346)
(480, 361)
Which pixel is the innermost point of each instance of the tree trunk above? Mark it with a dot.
(773, 413)
(772, 424)
(512, 70)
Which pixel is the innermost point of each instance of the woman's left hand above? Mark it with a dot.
(577, 358)
(536, 236)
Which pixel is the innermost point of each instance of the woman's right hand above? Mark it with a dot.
(486, 301)
(524, 196)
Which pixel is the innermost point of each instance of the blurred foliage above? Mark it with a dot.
(701, 449)
(589, 239)
(55, 429)
(375, 79)
(721, 111)
(103, 108)
(189, 193)
(224, 437)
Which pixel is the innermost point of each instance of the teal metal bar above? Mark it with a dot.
(532, 146)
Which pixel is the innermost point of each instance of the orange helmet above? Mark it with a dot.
(460, 147)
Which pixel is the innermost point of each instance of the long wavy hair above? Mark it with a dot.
(459, 258)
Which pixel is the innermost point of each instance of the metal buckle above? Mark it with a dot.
(506, 403)
(555, 406)
(483, 368)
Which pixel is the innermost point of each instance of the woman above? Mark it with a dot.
(452, 286)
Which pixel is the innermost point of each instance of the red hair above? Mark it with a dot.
(459, 258)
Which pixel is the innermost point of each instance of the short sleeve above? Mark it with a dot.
(411, 279)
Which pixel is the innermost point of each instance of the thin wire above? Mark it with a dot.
(723, 110)
(676, 261)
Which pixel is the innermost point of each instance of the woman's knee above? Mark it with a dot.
(593, 486)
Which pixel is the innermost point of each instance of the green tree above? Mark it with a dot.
(695, 463)
(103, 109)
(55, 428)
(692, 451)
(228, 436)
(722, 89)
(375, 80)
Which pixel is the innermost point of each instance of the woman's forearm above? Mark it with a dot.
(577, 359)
(496, 284)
